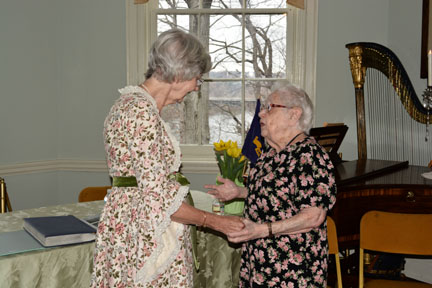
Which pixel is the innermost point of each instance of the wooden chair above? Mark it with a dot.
(334, 248)
(93, 193)
(400, 233)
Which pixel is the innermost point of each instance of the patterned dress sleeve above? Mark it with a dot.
(316, 183)
(153, 156)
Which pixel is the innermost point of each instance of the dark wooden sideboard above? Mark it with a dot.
(364, 185)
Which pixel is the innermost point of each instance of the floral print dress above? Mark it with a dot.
(137, 245)
(280, 185)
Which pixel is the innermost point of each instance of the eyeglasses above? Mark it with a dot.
(269, 106)
(199, 82)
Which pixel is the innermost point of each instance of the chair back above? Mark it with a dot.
(334, 248)
(93, 193)
(395, 233)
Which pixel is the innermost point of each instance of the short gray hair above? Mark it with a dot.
(293, 96)
(177, 55)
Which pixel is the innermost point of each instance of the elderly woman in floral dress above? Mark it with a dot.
(288, 193)
(142, 239)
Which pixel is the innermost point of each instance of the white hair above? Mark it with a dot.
(293, 96)
(177, 55)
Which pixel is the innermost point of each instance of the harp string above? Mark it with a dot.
(391, 132)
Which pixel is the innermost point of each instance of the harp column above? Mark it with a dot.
(358, 73)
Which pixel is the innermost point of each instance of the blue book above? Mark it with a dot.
(59, 230)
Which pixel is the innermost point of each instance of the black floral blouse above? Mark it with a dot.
(280, 185)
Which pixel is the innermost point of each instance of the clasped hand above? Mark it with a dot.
(229, 224)
(250, 231)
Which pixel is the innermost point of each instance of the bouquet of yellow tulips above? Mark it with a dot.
(230, 160)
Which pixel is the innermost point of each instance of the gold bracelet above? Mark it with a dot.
(269, 226)
(204, 221)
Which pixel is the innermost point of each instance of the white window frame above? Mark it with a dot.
(141, 32)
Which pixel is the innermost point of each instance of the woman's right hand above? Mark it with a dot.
(226, 224)
(226, 191)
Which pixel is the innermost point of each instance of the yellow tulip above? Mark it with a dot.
(228, 144)
(233, 144)
(229, 168)
(234, 152)
(237, 152)
(230, 152)
(219, 146)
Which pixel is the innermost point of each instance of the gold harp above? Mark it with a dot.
(391, 120)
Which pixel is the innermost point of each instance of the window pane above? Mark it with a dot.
(174, 117)
(222, 4)
(179, 4)
(225, 46)
(166, 22)
(225, 111)
(266, 4)
(216, 111)
(255, 90)
(265, 46)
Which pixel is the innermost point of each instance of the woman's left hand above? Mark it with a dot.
(226, 191)
(251, 231)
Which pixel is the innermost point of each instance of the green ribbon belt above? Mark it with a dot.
(130, 181)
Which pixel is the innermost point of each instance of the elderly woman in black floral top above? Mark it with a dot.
(287, 196)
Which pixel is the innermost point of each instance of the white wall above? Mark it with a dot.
(28, 80)
(405, 38)
(61, 63)
(392, 23)
(92, 65)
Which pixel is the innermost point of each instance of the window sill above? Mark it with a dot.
(198, 159)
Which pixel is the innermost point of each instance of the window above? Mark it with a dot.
(251, 42)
